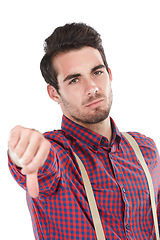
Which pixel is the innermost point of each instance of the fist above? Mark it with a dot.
(28, 149)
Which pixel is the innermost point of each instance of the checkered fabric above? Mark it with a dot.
(120, 187)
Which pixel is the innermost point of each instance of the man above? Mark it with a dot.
(79, 79)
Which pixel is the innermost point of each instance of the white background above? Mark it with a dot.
(131, 38)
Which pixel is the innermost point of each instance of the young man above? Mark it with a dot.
(79, 79)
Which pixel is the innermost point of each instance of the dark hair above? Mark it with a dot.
(68, 37)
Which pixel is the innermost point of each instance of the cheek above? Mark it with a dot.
(73, 94)
(70, 98)
(107, 87)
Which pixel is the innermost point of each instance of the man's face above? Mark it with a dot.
(84, 85)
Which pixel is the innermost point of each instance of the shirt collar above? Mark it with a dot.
(88, 137)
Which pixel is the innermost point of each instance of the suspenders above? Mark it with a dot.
(90, 195)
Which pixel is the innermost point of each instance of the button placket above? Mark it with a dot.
(127, 226)
(124, 196)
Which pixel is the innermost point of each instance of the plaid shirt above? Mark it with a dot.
(62, 212)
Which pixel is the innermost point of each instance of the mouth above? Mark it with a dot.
(95, 103)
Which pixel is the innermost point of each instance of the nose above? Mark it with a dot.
(92, 91)
(91, 88)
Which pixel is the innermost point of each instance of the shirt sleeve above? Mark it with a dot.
(154, 166)
(158, 199)
(48, 176)
(158, 180)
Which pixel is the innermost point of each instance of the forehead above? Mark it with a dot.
(74, 61)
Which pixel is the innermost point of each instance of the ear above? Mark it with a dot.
(52, 92)
(110, 74)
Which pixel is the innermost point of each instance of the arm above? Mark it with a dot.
(28, 149)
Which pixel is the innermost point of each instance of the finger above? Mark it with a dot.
(21, 145)
(32, 184)
(39, 159)
(31, 150)
(14, 137)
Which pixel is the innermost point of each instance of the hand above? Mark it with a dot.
(28, 149)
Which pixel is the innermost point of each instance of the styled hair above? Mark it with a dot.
(72, 36)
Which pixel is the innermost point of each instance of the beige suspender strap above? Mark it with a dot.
(139, 155)
(92, 202)
(90, 195)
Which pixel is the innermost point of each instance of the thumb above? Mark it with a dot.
(32, 184)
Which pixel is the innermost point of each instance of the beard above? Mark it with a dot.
(93, 116)
(97, 117)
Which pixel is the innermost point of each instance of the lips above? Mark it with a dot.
(95, 103)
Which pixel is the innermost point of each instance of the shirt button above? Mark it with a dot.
(127, 226)
(94, 148)
(102, 141)
(123, 189)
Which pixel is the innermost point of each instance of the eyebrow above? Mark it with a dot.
(97, 67)
(71, 76)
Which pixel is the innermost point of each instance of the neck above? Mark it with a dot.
(103, 128)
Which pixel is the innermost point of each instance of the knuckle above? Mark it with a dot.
(15, 133)
(12, 133)
(14, 136)
(27, 158)
(11, 144)
(17, 128)
(26, 133)
(18, 151)
(47, 144)
(32, 167)
(30, 134)
(37, 163)
(37, 135)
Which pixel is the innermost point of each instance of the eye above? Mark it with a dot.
(98, 72)
(73, 81)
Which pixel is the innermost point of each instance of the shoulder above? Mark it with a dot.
(147, 145)
(143, 140)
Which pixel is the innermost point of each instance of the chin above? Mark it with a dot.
(95, 118)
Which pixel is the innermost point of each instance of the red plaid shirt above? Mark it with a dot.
(62, 212)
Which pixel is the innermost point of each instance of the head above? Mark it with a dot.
(72, 36)
(77, 73)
